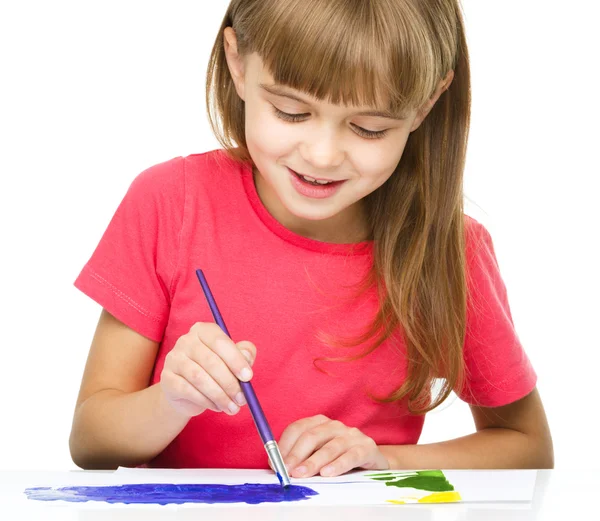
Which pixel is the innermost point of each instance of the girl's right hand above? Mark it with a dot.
(202, 371)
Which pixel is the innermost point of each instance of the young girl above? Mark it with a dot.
(332, 233)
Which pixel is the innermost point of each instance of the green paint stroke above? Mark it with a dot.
(429, 480)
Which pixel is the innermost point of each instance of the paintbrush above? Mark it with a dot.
(258, 415)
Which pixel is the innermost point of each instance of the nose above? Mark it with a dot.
(323, 149)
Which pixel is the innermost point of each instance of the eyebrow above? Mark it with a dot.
(282, 90)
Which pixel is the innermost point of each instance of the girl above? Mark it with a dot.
(332, 233)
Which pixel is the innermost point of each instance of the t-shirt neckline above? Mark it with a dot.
(358, 248)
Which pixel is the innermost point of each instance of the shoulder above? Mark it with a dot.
(161, 180)
(474, 231)
(478, 240)
(171, 178)
(482, 267)
(167, 174)
(212, 168)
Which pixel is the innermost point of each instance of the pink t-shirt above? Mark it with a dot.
(277, 289)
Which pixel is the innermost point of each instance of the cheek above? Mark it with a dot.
(377, 162)
(267, 135)
(377, 170)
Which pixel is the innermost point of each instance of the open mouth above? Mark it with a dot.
(312, 181)
(314, 188)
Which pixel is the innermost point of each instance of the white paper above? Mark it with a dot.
(353, 489)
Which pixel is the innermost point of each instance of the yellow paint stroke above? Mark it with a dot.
(436, 497)
(442, 497)
(401, 502)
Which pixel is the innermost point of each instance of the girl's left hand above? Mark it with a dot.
(318, 445)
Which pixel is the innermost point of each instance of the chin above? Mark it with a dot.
(311, 215)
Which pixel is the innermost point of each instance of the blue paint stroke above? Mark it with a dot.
(164, 494)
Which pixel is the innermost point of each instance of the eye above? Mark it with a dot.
(295, 118)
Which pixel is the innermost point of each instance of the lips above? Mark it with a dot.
(313, 190)
(332, 181)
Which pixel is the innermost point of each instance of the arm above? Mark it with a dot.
(512, 436)
(118, 419)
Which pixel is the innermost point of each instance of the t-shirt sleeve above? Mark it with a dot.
(498, 371)
(130, 272)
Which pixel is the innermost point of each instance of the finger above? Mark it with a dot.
(212, 336)
(219, 372)
(178, 389)
(329, 452)
(197, 376)
(350, 459)
(293, 431)
(248, 349)
(312, 440)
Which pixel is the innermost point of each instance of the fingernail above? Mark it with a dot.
(233, 407)
(245, 374)
(300, 470)
(247, 355)
(327, 471)
(240, 399)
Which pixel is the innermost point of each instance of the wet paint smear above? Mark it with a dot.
(429, 480)
(164, 494)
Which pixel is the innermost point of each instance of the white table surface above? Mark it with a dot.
(558, 494)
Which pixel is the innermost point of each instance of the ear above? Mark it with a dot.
(426, 108)
(234, 61)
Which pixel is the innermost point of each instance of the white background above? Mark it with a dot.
(92, 93)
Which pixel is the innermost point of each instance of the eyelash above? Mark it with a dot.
(295, 118)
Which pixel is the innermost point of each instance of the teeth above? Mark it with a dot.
(312, 180)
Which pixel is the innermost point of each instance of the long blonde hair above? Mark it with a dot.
(361, 53)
